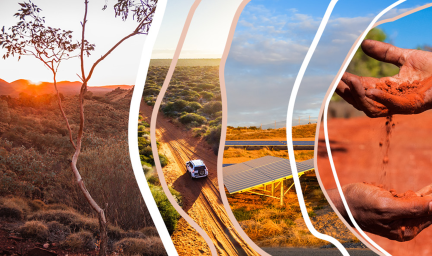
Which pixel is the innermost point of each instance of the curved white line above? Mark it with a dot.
(224, 198)
(133, 134)
(289, 132)
(326, 133)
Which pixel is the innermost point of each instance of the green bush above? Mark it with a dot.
(206, 86)
(194, 106)
(242, 214)
(212, 107)
(213, 138)
(169, 214)
(151, 91)
(190, 95)
(207, 95)
(192, 117)
(163, 159)
(216, 122)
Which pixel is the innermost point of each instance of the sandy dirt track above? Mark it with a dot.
(201, 199)
(358, 157)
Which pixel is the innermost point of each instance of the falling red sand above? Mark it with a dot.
(358, 157)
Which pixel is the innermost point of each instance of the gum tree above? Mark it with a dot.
(30, 36)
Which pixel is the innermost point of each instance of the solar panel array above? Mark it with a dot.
(255, 172)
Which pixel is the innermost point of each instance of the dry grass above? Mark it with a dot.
(13, 208)
(34, 229)
(151, 246)
(238, 155)
(82, 240)
(269, 224)
(245, 133)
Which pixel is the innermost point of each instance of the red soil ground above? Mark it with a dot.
(358, 153)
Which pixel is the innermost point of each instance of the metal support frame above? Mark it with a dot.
(262, 189)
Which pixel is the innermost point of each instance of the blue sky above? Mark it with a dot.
(271, 40)
(411, 31)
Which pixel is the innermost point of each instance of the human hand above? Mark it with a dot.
(376, 210)
(408, 92)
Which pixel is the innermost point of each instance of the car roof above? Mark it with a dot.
(197, 163)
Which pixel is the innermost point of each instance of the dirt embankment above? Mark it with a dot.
(201, 199)
(358, 157)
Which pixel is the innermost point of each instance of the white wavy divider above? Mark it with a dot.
(289, 131)
(379, 248)
(133, 134)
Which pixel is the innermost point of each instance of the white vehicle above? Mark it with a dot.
(197, 169)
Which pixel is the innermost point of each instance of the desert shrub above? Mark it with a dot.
(212, 107)
(194, 106)
(147, 169)
(57, 232)
(71, 219)
(151, 91)
(206, 86)
(242, 214)
(179, 105)
(34, 229)
(11, 210)
(199, 131)
(88, 95)
(216, 122)
(213, 138)
(207, 95)
(108, 174)
(190, 95)
(114, 232)
(5, 116)
(151, 246)
(153, 179)
(150, 231)
(134, 234)
(192, 117)
(169, 214)
(36, 205)
(163, 160)
(79, 241)
(58, 207)
(31, 172)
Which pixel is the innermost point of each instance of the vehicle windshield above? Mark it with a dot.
(199, 168)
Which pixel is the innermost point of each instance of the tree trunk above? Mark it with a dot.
(103, 245)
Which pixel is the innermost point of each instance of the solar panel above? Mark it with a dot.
(259, 171)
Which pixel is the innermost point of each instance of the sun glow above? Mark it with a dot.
(35, 82)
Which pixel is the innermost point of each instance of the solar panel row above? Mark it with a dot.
(259, 171)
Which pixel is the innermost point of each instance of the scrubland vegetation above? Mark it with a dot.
(193, 99)
(39, 198)
(255, 133)
(270, 225)
(263, 219)
(169, 214)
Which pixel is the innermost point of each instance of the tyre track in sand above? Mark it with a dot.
(201, 199)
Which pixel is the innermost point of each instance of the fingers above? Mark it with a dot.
(407, 104)
(344, 91)
(425, 191)
(410, 208)
(384, 52)
(357, 87)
